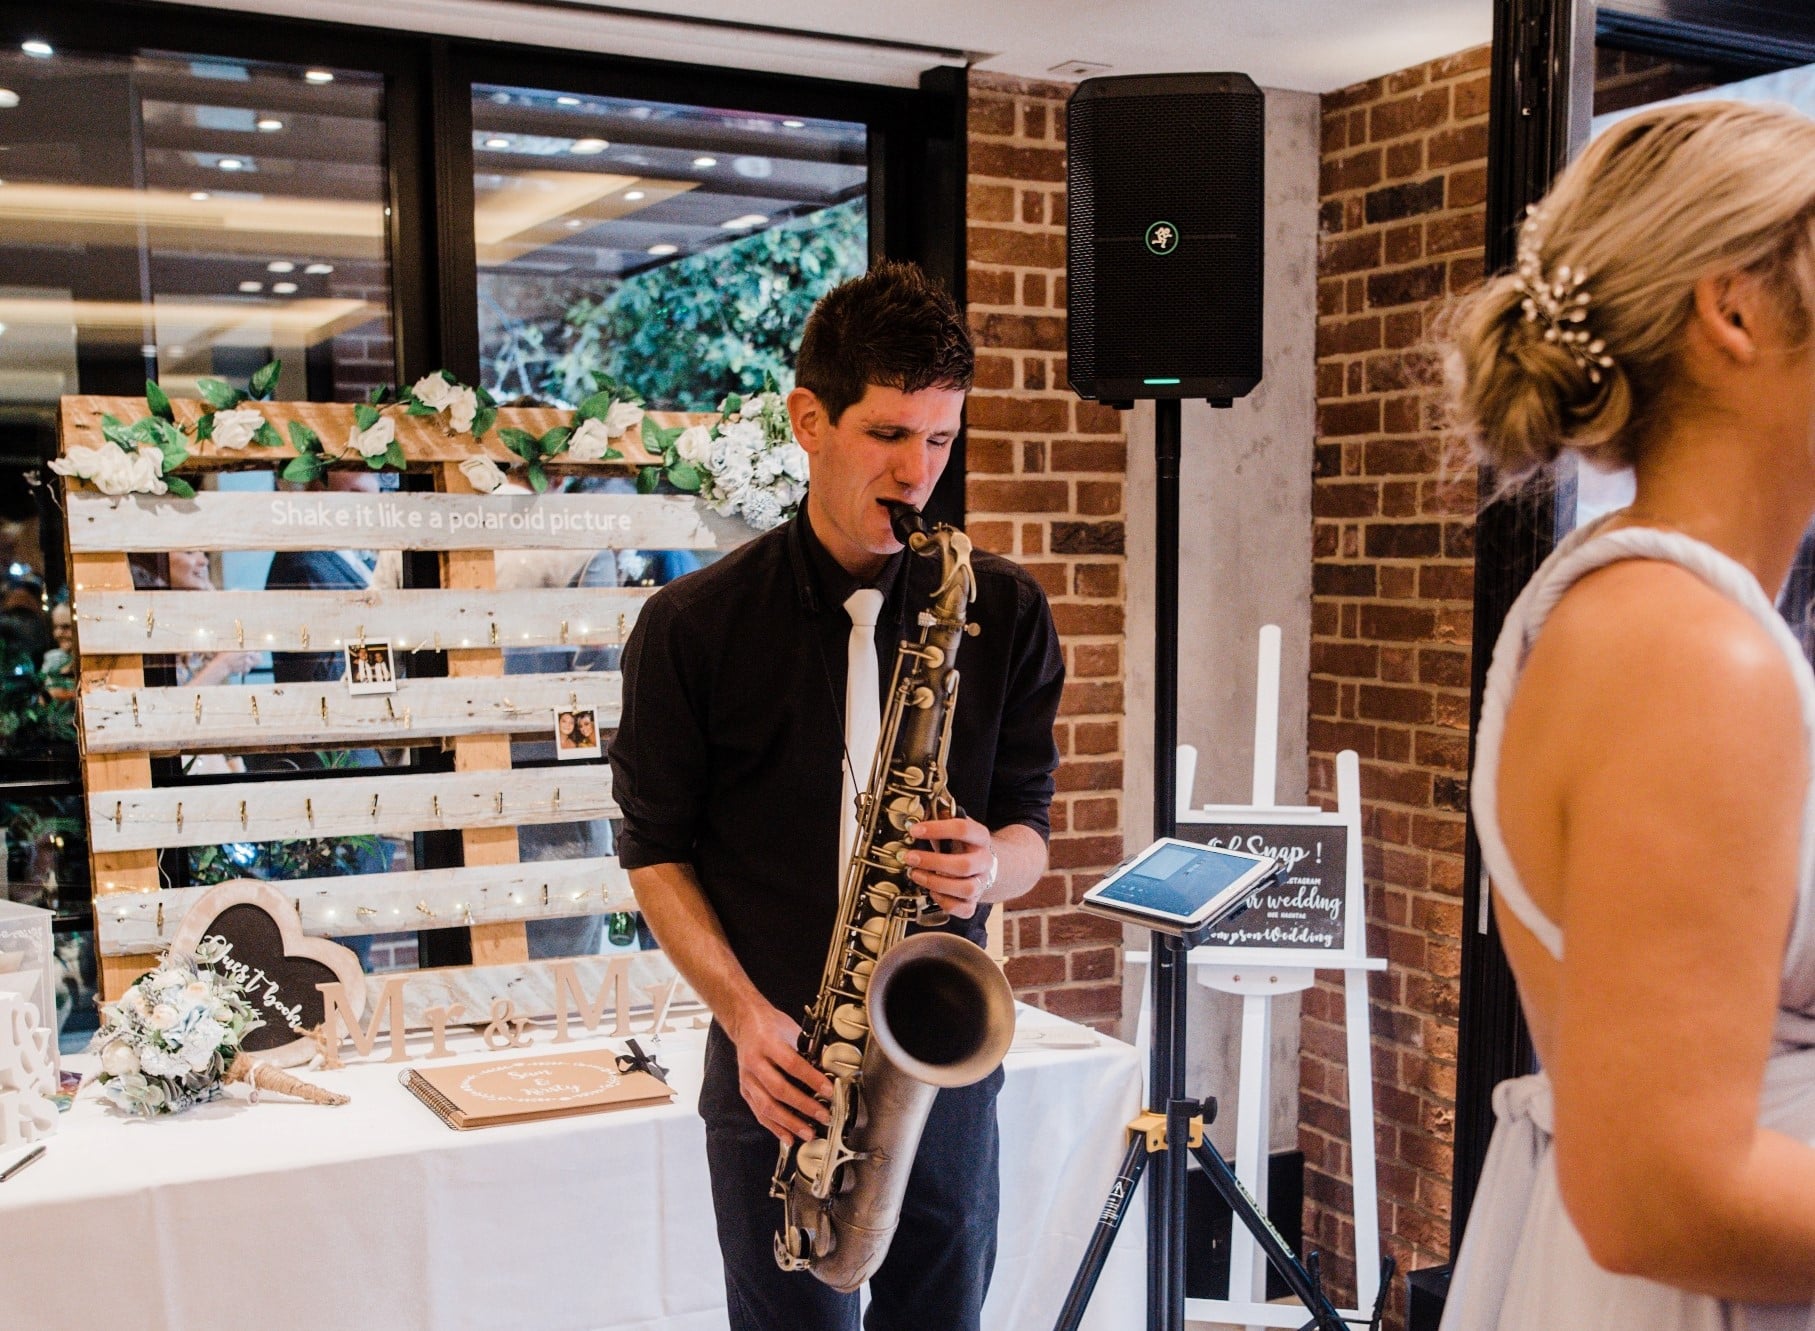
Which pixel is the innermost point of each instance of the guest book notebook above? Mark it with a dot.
(520, 1090)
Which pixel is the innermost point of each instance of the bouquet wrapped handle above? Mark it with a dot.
(263, 1077)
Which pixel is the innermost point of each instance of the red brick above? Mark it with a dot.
(1026, 332)
(1023, 249)
(1100, 580)
(1348, 253)
(1356, 171)
(991, 115)
(1018, 414)
(1347, 418)
(1098, 963)
(1033, 120)
(994, 372)
(1467, 188)
(1093, 737)
(1348, 336)
(1018, 496)
(1033, 289)
(1463, 62)
(989, 456)
(1082, 1003)
(1091, 660)
(1455, 147)
(1033, 456)
(1033, 207)
(1040, 968)
(989, 287)
(1472, 97)
(1109, 455)
(1405, 158)
(1094, 774)
(1099, 498)
(1083, 698)
(990, 203)
(1096, 418)
(1076, 927)
(1096, 815)
(1001, 161)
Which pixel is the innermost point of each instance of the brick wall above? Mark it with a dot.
(1045, 487)
(1401, 231)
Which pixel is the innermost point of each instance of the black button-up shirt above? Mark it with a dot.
(729, 756)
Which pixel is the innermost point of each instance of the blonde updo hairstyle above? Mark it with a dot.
(1659, 201)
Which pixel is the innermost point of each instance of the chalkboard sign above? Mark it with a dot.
(262, 928)
(1306, 909)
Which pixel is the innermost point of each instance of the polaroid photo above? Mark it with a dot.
(370, 668)
(577, 734)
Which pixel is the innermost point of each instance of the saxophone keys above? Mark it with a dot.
(841, 1060)
(850, 1021)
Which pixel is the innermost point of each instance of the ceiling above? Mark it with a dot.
(1306, 45)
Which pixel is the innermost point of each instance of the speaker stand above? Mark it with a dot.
(1173, 1125)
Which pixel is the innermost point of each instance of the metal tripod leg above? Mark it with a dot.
(1307, 1289)
(1134, 1163)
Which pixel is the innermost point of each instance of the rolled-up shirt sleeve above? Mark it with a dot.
(659, 754)
(1021, 788)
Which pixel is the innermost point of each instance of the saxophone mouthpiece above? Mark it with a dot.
(907, 523)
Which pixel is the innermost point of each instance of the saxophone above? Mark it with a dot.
(896, 1017)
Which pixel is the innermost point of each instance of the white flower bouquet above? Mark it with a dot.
(172, 1040)
(747, 465)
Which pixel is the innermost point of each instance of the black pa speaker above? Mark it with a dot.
(1163, 243)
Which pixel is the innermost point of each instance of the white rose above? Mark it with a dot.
(163, 981)
(482, 474)
(462, 406)
(113, 470)
(118, 1059)
(694, 444)
(162, 1017)
(196, 991)
(621, 417)
(234, 429)
(433, 391)
(134, 1001)
(589, 442)
(375, 439)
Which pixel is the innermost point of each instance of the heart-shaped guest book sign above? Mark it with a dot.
(265, 933)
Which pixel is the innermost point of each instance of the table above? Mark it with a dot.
(376, 1216)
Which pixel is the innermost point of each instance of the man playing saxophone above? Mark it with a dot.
(734, 772)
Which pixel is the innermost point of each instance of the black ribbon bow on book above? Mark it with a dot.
(638, 1061)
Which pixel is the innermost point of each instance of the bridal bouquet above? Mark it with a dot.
(173, 1039)
(748, 463)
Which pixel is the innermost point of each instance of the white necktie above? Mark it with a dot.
(862, 712)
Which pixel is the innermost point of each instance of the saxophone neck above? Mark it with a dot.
(951, 547)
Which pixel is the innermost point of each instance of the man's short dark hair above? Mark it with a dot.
(894, 327)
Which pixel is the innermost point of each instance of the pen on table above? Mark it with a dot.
(21, 1163)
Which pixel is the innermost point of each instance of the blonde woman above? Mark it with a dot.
(1642, 783)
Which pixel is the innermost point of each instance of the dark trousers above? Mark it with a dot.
(938, 1267)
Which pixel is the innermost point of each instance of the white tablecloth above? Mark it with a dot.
(377, 1217)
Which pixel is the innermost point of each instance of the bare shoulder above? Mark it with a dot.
(1649, 639)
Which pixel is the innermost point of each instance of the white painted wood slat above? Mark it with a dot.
(346, 806)
(253, 716)
(332, 520)
(348, 904)
(136, 623)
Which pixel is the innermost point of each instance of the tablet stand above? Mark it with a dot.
(1171, 1131)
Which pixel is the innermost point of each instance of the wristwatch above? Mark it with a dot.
(989, 879)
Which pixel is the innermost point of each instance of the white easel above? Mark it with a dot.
(1260, 975)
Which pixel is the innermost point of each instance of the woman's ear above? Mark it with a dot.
(1729, 314)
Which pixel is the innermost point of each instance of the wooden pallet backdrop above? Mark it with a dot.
(475, 711)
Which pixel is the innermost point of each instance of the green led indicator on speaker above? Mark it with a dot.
(1159, 381)
(1162, 238)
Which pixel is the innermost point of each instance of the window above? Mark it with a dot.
(674, 249)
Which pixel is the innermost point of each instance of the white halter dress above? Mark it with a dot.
(1523, 1266)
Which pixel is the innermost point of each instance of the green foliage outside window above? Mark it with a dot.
(688, 333)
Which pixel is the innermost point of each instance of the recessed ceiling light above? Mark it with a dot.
(250, 287)
(284, 288)
(495, 142)
(318, 76)
(703, 162)
(231, 164)
(8, 99)
(634, 195)
(585, 147)
(148, 349)
(794, 124)
(567, 101)
(270, 124)
(319, 269)
(280, 266)
(200, 194)
(37, 48)
(745, 222)
(661, 251)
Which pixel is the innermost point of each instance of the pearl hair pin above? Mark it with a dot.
(1561, 304)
